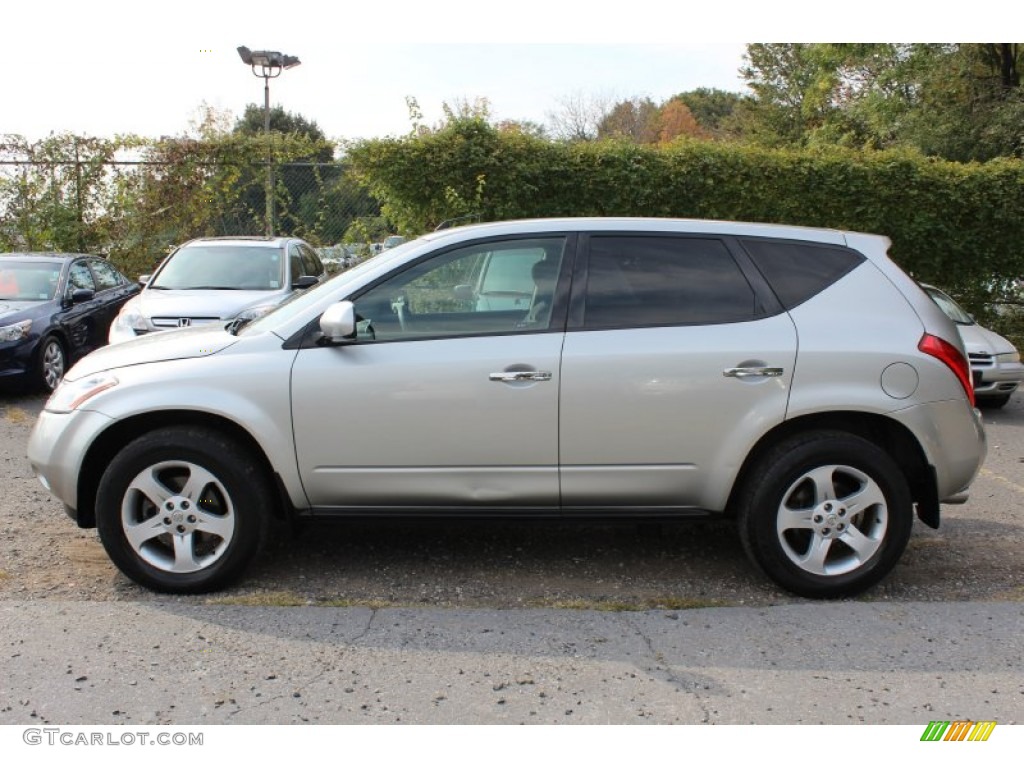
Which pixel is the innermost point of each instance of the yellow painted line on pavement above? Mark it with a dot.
(989, 473)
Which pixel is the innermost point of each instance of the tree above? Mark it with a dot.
(300, 185)
(959, 101)
(675, 119)
(635, 119)
(578, 116)
(711, 108)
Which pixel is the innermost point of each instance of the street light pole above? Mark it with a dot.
(271, 64)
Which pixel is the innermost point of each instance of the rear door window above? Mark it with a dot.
(635, 281)
(106, 276)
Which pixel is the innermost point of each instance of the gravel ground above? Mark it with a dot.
(975, 555)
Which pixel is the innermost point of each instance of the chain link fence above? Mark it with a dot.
(134, 211)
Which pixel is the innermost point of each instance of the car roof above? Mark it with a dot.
(52, 256)
(644, 224)
(270, 242)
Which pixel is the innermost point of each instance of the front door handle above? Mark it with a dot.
(507, 376)
(749, 373)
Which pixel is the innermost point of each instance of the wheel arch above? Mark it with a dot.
(120, 433)
(889, 435)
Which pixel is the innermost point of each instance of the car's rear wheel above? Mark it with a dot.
(826, 514)
(183, 509)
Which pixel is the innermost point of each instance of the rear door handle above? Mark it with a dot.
(521, 376)
(749, 373)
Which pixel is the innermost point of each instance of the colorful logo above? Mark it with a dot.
(958, 730)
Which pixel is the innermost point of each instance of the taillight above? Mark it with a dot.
(951, 356)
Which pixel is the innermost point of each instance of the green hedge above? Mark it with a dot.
(960, 226)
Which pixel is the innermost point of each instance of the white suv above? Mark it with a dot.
(213, 279)
(793, 378)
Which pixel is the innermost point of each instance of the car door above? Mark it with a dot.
(112, 291)
(82, 322)
(440, 401)
(676, 358)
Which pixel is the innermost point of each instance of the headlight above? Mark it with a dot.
(69, 395)
(16, 332)
(254, 313)
(1008, 357)
(130, 319)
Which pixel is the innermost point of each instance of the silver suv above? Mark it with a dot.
(218, 278)
(792, 378)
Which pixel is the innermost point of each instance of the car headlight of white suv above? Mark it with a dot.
(129, 321)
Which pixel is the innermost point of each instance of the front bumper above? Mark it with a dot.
(58, 446)
(997, 378)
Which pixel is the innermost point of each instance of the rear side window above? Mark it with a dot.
(653, 280)
(798, 271)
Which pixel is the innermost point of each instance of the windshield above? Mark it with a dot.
(222, 267)
(28, 281)
(953, 311)
(298, 302)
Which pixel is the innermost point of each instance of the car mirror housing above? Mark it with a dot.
(80, 295)
(338, 323)
(144, 280)
(306, 281)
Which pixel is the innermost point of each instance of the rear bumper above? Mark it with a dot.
(953, 439)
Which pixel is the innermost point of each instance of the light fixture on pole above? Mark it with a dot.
(268, 64)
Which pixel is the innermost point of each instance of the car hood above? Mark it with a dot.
(979, 340)
(10, 308)
(199, 303)
(198, 341)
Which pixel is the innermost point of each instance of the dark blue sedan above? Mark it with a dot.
(54, 309)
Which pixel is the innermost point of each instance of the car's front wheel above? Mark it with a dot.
(826, 515)
(183, 509)
(51, 364)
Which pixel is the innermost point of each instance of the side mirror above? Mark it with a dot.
(465, 293)
(306, 281)
(338, 323)
(144, 280)
(80, 295)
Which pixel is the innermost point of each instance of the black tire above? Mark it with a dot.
(822, 547)
(51, 364)
(215, 505)
(994, 402)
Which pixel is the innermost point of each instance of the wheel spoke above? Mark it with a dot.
(140, 533)
(184, 554)
(866, 497)
(863, 546)
(794, 518)
(814, 560)
(824, 486)
(218, 525)
(198, 480)
(149, 486)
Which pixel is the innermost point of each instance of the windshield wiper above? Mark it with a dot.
(237, 324)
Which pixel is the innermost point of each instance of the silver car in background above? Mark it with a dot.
(214, 279)
(794, 379)
(995, 362)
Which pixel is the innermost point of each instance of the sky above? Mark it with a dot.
(107, 67)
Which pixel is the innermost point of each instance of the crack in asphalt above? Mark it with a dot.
(684, 684)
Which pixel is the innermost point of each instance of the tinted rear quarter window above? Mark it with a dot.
(653, 280)
(798, 271)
